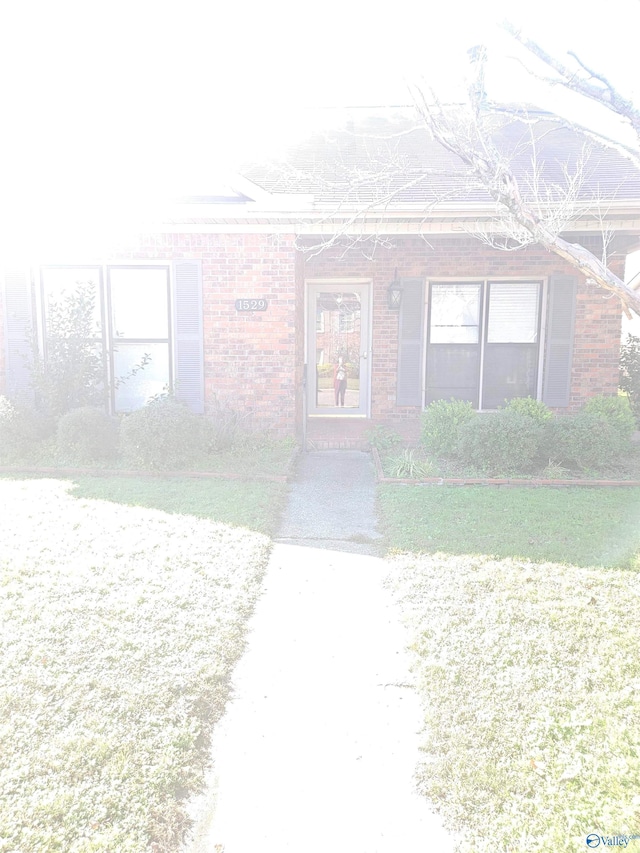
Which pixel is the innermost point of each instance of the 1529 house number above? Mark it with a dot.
(251, 304)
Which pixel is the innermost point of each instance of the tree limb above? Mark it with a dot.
(606, 94)
(473, 146)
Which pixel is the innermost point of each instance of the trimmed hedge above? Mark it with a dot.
(585, 441)
(22, 428)
(531, 408)
(163, 435)
(87, 434)
(501, 443)
(616, 411)
(441, 425)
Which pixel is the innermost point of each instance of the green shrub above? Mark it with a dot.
(7, 410)
(616, 411)
(501, 443)
(585, 440)
(383, 439)
(73, 373)
(22, 428)
(630, 373)
(530, 407)
(7, 427)
(163, 435)
(441, 425)
(87, 435)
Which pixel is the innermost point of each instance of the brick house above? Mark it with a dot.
(355, 247)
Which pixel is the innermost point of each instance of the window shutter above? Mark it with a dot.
(556, 387)
(410, 331)
(18, 328)
(188, 341)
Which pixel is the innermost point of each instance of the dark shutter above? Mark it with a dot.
(410, 331)
(556, 386)
(188, 340)
(18, 329)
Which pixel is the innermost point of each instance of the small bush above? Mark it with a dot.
(7, 410)
(162, 435)
(7, 429)
(22, 428)
(585, 441)
(441, 425)
(531, 408)
(501, 443)
(630, 373)
(383, 439)
(87, 435)
(73, 373)
(409, 465)
(616, 411)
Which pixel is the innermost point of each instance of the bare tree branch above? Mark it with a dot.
(602, 92)
(468, 139)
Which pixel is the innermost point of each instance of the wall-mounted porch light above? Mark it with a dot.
(394, 293)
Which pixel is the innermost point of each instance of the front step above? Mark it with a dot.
(338, 433)
(344, 433)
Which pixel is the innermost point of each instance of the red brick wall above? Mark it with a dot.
(596, 349)
(597, 333)
(252, 361)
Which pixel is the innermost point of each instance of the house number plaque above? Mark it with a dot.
(251, 304)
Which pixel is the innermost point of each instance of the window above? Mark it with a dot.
(346, 322)
(511, 347)
(139, 300)
(455, 313)
(146, 325)
(483, 341)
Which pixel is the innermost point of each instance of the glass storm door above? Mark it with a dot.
(338, 354)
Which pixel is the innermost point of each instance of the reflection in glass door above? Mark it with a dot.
(337, 344)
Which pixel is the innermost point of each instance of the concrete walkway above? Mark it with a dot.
(317, 749)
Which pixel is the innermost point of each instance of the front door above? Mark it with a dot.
(338, 349)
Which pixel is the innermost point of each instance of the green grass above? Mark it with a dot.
(580, 526)
(523, 608)
(121, 625)
(272, 459)
(529, 677)
(255, 505)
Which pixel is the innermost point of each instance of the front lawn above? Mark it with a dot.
(580, 526)
(523, 609)
(255, 505)
(120, 628)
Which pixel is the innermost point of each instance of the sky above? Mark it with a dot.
(102, 102)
